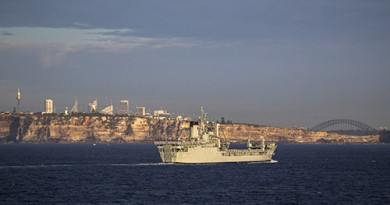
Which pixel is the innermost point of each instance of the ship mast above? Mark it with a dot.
(202, 120)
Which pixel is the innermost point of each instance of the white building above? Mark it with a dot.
(93, 106)
(49, 106)
(140, 111)
(108, 110)
(158, 112)
(161, 114)
(123, 107)
(75, 107)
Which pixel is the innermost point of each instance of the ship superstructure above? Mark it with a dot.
(204, 145)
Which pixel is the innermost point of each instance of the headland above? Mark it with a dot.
(100, 128)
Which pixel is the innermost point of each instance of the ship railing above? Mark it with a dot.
(243, 150)
(173, 143)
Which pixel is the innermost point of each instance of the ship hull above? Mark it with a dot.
(204, 155)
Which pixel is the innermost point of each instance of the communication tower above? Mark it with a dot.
(18, 97)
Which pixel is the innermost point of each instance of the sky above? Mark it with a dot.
(279, 63)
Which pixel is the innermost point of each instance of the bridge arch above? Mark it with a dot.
(342, 122)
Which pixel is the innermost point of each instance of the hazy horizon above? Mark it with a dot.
(279, 63)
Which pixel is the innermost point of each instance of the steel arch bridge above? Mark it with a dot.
(340, 124)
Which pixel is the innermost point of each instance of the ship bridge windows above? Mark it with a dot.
(179, 149)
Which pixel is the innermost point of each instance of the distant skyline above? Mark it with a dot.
(279, 63)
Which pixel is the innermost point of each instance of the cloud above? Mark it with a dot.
(71, 35)
(127, 32)
(154, 43)
(53, 55)
(6, 33)
(76, 37)
(53, 45)
(81, 25)
(48, 54)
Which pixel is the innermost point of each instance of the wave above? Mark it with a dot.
(34, 166)
(143, 164)
(114, 165)
(265, 162)
(72, 165)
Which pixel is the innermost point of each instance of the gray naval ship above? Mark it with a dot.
(204, 145)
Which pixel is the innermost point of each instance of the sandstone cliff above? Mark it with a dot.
(87, 128)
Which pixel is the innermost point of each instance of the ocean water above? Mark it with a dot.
(134, 174)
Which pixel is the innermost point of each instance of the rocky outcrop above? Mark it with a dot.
(97, 128)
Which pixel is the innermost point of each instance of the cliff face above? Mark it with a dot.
(239, 133)
(84, 128)
(87, 129)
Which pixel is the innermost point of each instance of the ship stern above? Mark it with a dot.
(166, 153)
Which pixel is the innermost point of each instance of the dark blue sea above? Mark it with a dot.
(133, 174)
